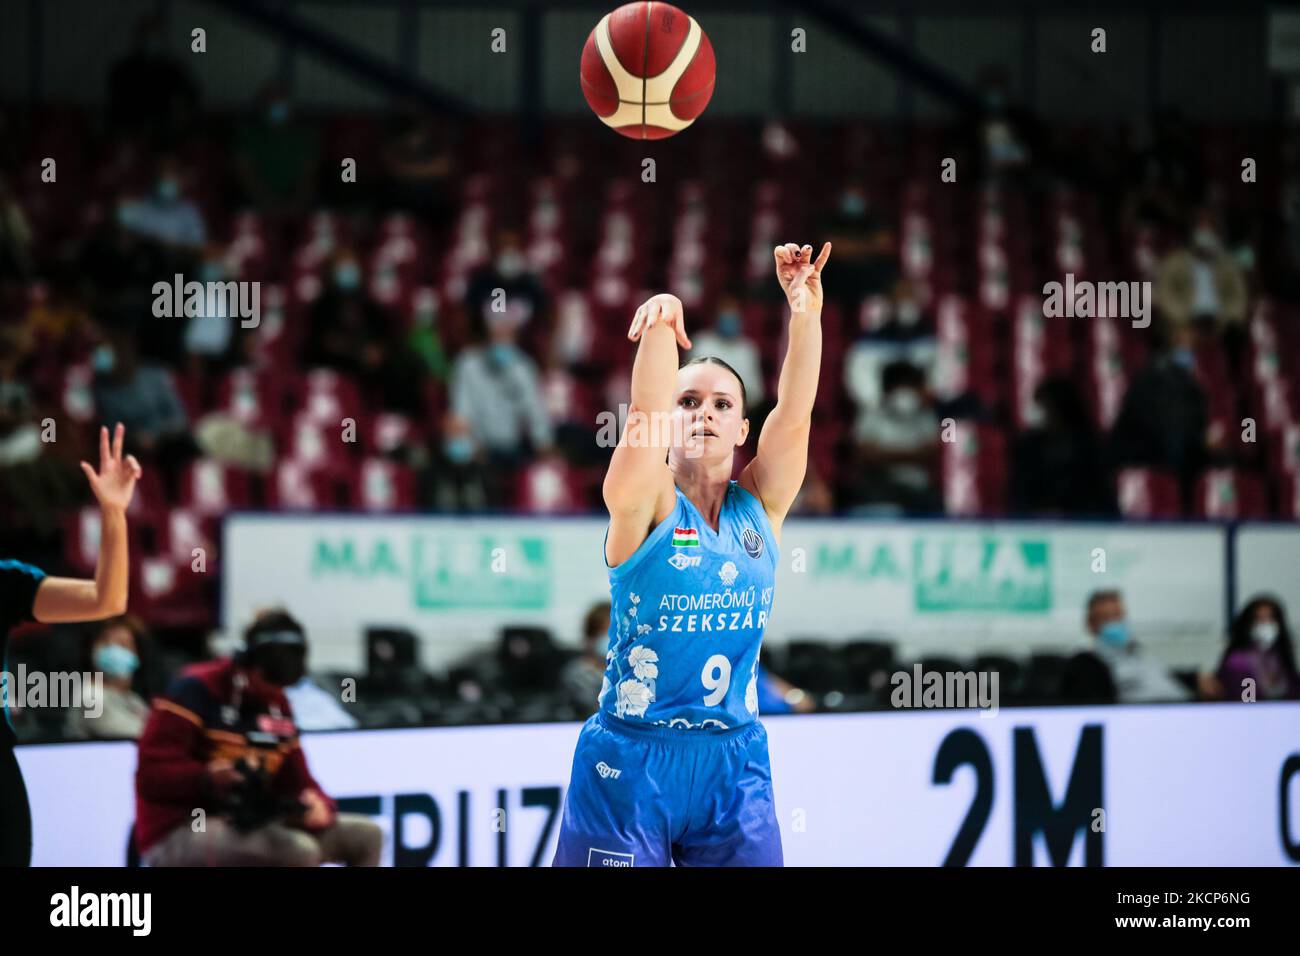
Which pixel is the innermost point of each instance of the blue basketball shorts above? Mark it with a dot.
(657, 796)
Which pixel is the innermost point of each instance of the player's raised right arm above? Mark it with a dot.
(638, 472)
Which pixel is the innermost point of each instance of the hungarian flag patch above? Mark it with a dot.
(686, 538)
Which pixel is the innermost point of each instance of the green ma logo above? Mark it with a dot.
(982, 573)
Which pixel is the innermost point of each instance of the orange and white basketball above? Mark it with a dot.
(647, 70)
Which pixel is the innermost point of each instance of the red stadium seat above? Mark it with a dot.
(1230, 494)
(1146, 493)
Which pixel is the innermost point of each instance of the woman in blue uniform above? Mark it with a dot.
(27, 594)
(673, 767)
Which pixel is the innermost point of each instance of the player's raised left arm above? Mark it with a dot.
(60, 600)
(778, 469)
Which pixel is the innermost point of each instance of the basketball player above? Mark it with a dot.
(26, 594)
(673, 767)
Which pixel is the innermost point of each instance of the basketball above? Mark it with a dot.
(647, 70)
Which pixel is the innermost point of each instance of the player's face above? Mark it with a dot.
(707, 417)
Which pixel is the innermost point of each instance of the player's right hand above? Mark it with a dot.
(665, 309)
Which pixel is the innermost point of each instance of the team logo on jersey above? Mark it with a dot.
(681, 561)
(606, 771)
(728, 573)
(753, 542)
(686, 538)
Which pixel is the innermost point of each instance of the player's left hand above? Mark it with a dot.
(114, 483)
(800, 276)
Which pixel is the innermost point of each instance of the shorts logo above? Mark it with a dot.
(682, 561)
(606, 771)
(728, 573)
(753, 542)
(597, 857)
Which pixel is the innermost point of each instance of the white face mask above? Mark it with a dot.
(1264, 634)
(511, 263)
(908, 313)
(905, 401)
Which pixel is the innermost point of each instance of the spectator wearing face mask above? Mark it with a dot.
(1200, 282)
(115, 653)
(223, 739)
(455, 481)
(891, 329)
(897, 448)
(1163, 418)
(165, 217)
(726, 340)
(1259, 661)
(142, 395)
(506, 285)
(276, 158)
(210, 341)
(352, 334)
(496, 391)
(866, 254)
(1135, 676)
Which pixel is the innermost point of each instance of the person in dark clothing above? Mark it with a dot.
(28, 594)
(1163, 419)
(150, 91)
(223, 739)
(1058, 467)
(351, 333)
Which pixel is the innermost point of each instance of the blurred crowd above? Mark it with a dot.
(463, 303)
(533, 675)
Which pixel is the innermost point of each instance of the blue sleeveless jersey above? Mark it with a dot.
(688, 610)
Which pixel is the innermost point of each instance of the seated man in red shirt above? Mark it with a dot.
(222, 780)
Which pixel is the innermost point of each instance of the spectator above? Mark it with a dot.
(223, 739)
(114, 652)
(1200, 282)
(38, 477)
(142, 396)
(1057, 462)
(15, 236)
(725, 340)
(210, 341)
(456, 481)
(866, 257)
(419, 169)
(1135, 676)
(897, 447)
(496, 391)
(148, 90)
(166, 218)
(506, 285)
(583, 677)
(275, 158)
(1260, 650)
(350, 333)
(1163, 421)
(892, 329)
